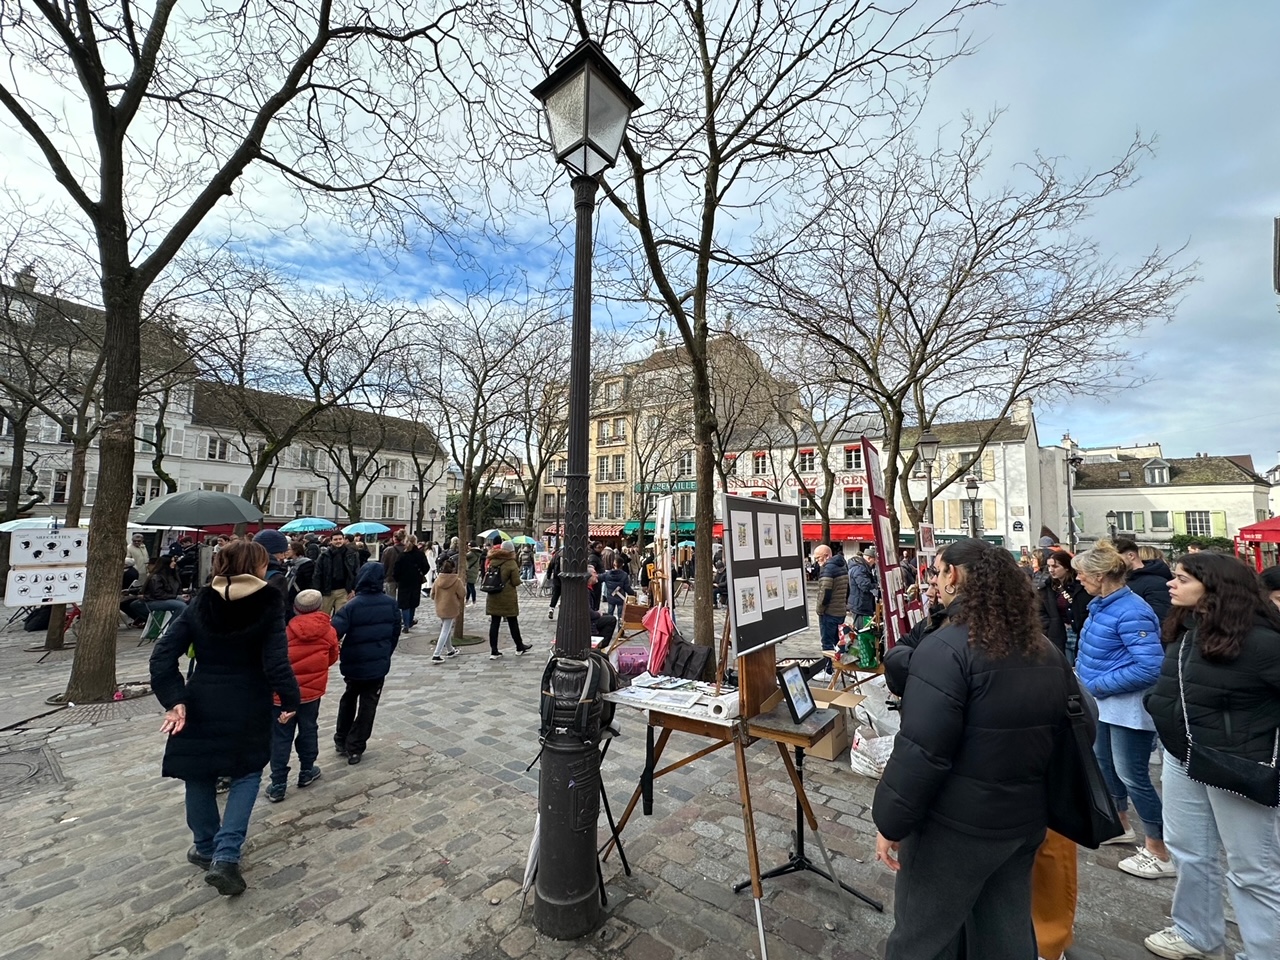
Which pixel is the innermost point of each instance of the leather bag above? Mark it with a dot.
(1080, 807)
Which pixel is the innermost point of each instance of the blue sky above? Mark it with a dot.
(1077, 80)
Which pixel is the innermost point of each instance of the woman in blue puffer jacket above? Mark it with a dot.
(1119, 661)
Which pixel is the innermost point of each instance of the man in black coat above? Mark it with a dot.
(1149, 580)
(336, 573)
(368, 626)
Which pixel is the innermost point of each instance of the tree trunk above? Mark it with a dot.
(93, 671)
(704, 511)
(464, 547)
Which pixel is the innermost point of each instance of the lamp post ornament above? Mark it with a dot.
(971, 487)
(588, 106)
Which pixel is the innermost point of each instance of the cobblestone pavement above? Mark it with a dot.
(419, 851)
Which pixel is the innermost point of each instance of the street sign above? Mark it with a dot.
(38, 586)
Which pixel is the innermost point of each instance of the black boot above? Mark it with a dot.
(225, 876)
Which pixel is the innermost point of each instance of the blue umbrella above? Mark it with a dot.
(308, 524)
(366, 526)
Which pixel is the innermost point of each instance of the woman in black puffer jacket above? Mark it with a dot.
(1225, 634)
(962, 800)
(219, 718)
(1064, 603)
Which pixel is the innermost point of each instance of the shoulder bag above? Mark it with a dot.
(1080, 807)
(1215, 768)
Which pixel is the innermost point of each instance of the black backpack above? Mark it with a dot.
(493, 581)
(602, 677)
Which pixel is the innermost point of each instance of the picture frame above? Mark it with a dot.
(795, 690)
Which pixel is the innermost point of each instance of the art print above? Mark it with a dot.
(742, 535)
(767, 526)
(746, 602)
(792, 589)
(771, 597)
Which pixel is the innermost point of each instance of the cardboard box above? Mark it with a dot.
(837, 741)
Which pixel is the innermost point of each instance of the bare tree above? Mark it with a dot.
(162, 113)
(751, 106)
(934, 295)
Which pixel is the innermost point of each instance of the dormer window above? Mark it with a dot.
(1155, 473)
(1123, 475)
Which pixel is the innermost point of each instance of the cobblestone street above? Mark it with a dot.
(418, 852)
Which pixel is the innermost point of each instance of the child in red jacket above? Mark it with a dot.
(313, 649)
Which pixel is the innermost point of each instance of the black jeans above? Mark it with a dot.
(513, 623)
(471, 591)
(555, 592)
(958, 895)
(356, 710)
(306, 725)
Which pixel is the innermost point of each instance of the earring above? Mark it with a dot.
(949, 590)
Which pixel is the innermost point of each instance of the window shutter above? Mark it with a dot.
(1218, 521)
(281, 501)
(177, 442)
(1139, 521)
(202, 447)
(988, 515)
(90, 489)
(1180, 522)
(988, 465)
(953, 515)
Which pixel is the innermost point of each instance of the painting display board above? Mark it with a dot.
(893, 593)
(664, 508)
(764, 563)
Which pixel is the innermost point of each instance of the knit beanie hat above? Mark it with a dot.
(307, 601)
(274, 541)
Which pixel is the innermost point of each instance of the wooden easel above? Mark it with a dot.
(757, 694)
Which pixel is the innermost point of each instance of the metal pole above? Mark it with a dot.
(973, 518)
(567, 901)
(1071, 513)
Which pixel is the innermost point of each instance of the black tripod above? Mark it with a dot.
(799, 861)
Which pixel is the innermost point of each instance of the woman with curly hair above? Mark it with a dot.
(962, 802)
(1219, 688)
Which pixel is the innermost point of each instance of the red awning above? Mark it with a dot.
(1265, 531)
(604, 530)
(812, 532)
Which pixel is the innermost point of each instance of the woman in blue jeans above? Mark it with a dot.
(1224, 637)
(219, 718)
(1118, 661)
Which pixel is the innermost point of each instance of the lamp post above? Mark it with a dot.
(413, 509)
(1073, 461)
(971, 488)
(431, 530)
(588, 107)
(297, 508)
(927, 451)
(558, 477)
(1111, 524)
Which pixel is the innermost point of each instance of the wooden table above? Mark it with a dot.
(850, 675)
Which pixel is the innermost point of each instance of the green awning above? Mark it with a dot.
(681, 528)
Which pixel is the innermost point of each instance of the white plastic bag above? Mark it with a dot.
(868, 753)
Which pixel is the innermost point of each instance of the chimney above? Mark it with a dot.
(25, 280)
(1020, 412)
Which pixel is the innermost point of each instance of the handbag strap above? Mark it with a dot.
(1186, 723)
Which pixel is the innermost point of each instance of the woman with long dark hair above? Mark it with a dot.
(1064, 603)
(1219, 688)
(219, 718)
(962, 800)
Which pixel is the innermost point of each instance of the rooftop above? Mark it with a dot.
(1183, 472)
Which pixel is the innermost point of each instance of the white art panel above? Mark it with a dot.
(767, 528)
(771, 597)
(742, 535)
(29, 548)
(793, 589)
(746, 601)
(30, 586)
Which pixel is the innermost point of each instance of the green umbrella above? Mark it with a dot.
(522, 539)
(197, 508)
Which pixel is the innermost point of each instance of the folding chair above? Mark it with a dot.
(157, 623)
(632, 621)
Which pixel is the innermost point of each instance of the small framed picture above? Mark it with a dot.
(795, 690)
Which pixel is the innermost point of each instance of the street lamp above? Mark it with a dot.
(297, 508)
(1073, 462)
(927, 451)
(413, 509)
(431, 530)
(1111, 523)
(558, 477)
(971, 488)
(588, 107)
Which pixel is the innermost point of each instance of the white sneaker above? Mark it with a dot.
(1125, 839)
(1167, 943)
(495, 656)
(452, 653)
(1147, 865)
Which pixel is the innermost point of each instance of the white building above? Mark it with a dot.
(1155, 497)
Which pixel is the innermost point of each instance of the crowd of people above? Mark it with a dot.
(1184, 659)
